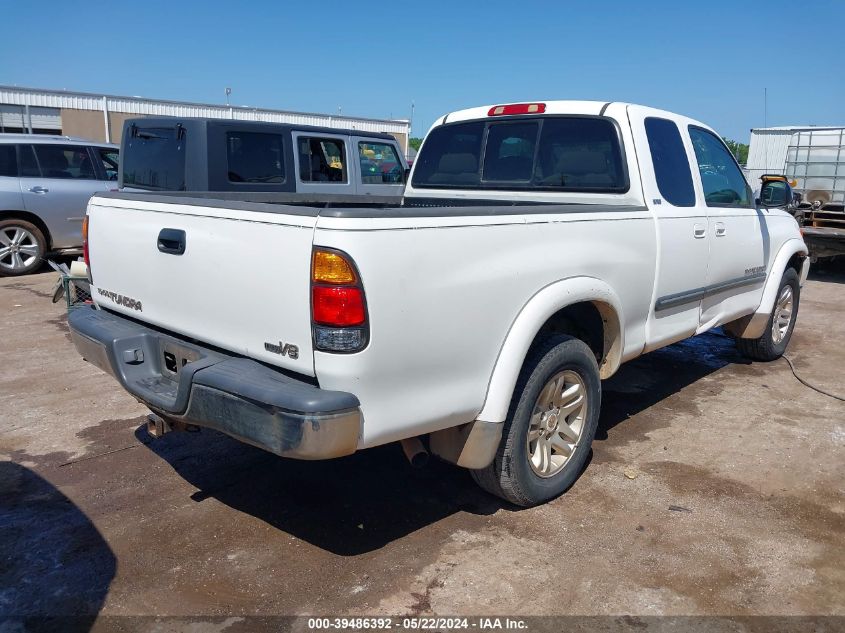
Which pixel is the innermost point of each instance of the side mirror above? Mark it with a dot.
(775, 194)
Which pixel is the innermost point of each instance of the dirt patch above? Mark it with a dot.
(199, 523)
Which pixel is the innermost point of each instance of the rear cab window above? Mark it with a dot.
(154, 158)
(450, 156)
(509, 154)
(550, 153)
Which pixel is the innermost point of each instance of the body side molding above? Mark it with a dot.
(687, 296)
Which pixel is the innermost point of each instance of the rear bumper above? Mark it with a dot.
(238, 396)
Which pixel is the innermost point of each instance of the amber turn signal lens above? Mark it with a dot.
(85, 255)
(331, 268)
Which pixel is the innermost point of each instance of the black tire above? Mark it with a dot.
(510, 475)
(765, 348)
(8, 267)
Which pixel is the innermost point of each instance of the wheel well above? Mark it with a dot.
(32, 219)
(796, 262)
(594, 322)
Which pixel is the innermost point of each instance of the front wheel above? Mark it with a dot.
(550, 426)
(772, 344)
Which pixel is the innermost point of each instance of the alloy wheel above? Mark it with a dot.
(556, 424)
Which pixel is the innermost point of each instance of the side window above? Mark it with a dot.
(580, 154)
(509, 154)
(379, 164)
(65, 161)
(28, 164)
(321, 160)
(450, 156)
(722, 181)
(671, 166)
(109, 159)
(255, 157)
(8, 161)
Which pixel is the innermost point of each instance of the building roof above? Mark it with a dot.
(796, 128)
(38, 97)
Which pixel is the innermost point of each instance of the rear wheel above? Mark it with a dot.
(22, 247)
(550, 426)
(772, 344)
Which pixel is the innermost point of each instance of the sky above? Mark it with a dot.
(707, 60)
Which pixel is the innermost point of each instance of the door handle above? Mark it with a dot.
(721, 229)
(171, 241)
(699, 231)
(38, 189)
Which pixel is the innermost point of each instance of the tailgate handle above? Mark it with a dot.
(171, 241)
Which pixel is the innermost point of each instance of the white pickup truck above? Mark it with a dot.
(538, 247)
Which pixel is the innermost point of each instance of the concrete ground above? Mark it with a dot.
(715, 487)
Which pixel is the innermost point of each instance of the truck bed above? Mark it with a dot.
(334, 205)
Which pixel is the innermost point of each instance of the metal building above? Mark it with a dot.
(770, 147)
(100, 117)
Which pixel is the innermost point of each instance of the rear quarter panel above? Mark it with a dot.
(442, 294)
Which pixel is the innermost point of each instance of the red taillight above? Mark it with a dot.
(338, 306)
(517, 108)
(85, 241)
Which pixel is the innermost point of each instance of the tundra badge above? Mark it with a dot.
(123, 300)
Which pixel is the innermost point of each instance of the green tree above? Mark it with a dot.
(739, 150)
(415, 142)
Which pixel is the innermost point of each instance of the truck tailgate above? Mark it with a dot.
(241, 284)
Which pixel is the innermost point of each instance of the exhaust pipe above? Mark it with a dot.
(415, 451)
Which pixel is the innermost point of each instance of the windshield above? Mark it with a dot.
(154, 158)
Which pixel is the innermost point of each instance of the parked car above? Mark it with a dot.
(538, 247)
(45, 184)
(192, 154)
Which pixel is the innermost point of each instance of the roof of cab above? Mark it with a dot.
(552, 107)
(589, 108)
(255, 125)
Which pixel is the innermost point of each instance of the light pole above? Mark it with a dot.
(410, 133)
(228, 92)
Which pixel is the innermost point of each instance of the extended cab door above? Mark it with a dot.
(739, 238)
(682, 236)
(380, 166)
